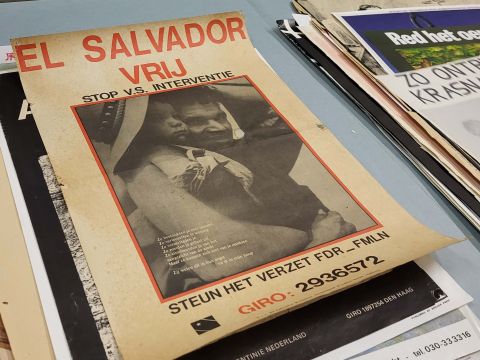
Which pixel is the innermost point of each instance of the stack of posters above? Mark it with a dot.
(175, 200)
(379, 51)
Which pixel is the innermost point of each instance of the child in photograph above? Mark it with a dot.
(205, 174)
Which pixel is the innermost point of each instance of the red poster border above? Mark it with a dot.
(132, 235)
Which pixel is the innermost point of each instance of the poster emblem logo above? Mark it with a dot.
(206, 324)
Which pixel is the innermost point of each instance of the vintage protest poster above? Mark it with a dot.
(204, 194)
(400, 294)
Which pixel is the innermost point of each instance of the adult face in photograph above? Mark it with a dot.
(207, 123)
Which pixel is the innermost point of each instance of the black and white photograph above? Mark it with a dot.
(214, 182)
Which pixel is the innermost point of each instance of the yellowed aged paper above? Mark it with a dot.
(206, 197)
(20, 306)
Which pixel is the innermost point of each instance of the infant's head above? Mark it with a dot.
(162, 124)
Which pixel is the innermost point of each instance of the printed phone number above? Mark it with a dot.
(448, 341)
(335, 274)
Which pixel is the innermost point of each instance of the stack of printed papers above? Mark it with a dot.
(420, 66)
